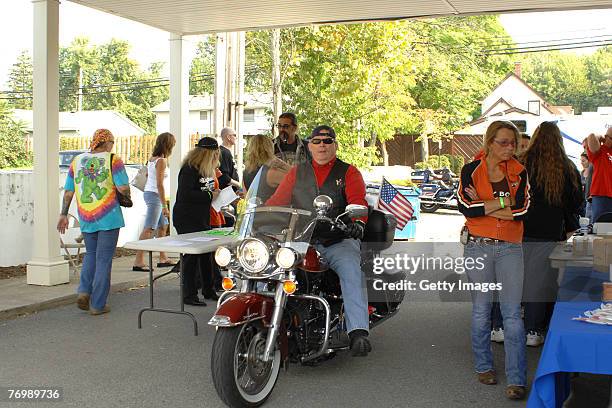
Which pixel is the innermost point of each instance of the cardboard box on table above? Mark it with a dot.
(602, 259)
(602, 253)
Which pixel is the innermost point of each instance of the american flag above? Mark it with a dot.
(394, 202)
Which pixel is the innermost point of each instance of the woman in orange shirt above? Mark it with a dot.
(493, 195)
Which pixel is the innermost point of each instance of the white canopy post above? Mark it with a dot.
(47, 267)
(179, 108)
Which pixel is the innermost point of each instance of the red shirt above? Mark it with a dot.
(601, 184)
(354, 185)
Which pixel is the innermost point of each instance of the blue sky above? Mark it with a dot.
(148, 43)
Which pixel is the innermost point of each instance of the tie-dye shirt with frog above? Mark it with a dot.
(93, 178)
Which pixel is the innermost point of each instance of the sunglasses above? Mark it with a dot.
(327, 140)
(505, 143)
(279, 126)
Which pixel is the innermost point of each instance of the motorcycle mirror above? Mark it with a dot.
(356, 210)
(322, 203)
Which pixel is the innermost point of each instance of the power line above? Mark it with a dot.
(550, 45)
(103, 91)
(550, 49)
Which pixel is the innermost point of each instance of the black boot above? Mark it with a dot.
(210, 294)
(360, 345)
(193, 301)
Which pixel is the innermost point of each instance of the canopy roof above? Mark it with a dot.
(188, 17)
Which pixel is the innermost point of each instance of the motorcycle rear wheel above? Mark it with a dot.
(429, 208)
(240, 377)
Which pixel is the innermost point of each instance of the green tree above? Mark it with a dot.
(372, 81)
(599, 72)
(561, 78)
(20, 81)
(202, 71)
(110, 80)
(11, 140)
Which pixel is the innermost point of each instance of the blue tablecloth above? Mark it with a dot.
(572, 346)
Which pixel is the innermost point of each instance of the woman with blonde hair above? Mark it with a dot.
(260, 156)
(156, 220)
(191, 212)
(556, 202)
(493, 195)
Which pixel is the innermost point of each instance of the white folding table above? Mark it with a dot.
(194, 243)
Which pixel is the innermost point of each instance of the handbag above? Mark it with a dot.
(140, 179)
(124, 200)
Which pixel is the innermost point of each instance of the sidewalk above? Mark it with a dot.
(18, 298)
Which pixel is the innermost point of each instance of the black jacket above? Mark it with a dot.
(548, 222)
(227, 167)
(191, 210)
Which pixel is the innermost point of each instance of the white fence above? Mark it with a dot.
(17, 217)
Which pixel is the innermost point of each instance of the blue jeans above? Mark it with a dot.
(588, 212)
(600, 205)
(97, 264)
(154, 218)
(345, 259)
(503, 263)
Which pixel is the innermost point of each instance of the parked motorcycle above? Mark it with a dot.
(282, 303)
(435, 196)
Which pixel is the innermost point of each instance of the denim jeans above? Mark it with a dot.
(503, 263)
(600, 205)
(97, 264)
(154, 218)
(540, 285)
(345, 259)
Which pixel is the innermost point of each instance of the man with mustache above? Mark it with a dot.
(288, 146)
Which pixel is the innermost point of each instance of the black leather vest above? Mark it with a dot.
(334, 186)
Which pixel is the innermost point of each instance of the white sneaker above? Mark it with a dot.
(497, 335)
(534, 339)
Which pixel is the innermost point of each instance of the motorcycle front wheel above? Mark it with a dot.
(429, 208)
(241, 377)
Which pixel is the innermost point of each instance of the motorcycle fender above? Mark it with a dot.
(242, 308)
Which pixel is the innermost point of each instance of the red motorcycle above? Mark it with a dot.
(282, 303)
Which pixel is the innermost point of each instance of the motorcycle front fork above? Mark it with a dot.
(275, 324)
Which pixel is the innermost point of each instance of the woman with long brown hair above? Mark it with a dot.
(556, 202)
(493, 195)
(156, 220)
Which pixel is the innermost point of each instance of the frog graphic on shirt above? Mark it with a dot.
(89, 176)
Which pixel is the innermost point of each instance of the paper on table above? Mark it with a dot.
(203, 239)
(176, 243)
(225, 197)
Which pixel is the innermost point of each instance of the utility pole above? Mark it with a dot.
(239, 112)
(277, 91)
(218, 120)
(79, 106)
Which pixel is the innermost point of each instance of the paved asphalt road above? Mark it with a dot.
(421, 358)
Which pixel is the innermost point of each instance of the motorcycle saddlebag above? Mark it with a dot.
(379, 230)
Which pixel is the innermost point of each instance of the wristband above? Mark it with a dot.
(501, 202)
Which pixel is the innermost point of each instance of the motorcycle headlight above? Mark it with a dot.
(253, 255)
(285, 258)
(223, 256)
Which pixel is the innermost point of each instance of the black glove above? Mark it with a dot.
(355, 230)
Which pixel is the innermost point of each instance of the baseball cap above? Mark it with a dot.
(208, 143)
(316, 131)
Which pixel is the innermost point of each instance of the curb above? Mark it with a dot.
(21, 311)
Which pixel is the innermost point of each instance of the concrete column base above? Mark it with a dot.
(48, 273)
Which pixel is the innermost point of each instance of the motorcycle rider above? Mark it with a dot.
(288, 146)
(326, 174)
